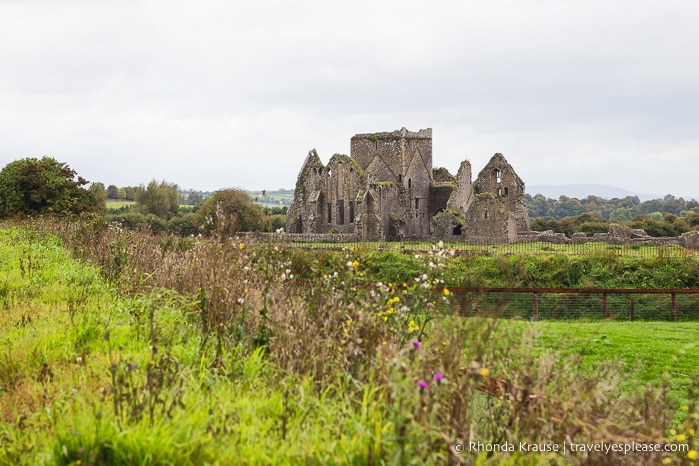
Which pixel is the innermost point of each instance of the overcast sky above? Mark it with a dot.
(213, 94)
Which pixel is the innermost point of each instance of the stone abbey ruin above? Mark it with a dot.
(388, 190)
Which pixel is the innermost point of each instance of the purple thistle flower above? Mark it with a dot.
(422, 384)
(417, 345)
(438, 376)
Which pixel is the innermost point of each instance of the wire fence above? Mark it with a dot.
(572, 303)
(626, 249)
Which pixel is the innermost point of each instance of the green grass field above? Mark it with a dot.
(95, 371)
(119, 204)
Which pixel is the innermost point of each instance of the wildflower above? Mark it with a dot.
(446, 291)
(692, 454)
(413, 327)
(325, 276)
(484, 372)
(438, 376)
(242, 246)
(355, 263)
(422, 384)
(681, 438)
(667, 461)
(416, 344)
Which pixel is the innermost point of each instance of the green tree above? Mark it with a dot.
(99, 192)
(229, 211)
(112, 192)
(160, 199)
(34, 186)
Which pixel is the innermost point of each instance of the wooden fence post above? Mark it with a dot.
(605, 312)
(673, 298)
(632, 309)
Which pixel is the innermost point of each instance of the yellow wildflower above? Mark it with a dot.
(446, 291)
(484, 372)
(667, 461)
(681, 438)
(355, 263)
(692, 454)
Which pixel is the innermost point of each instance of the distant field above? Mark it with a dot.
(119, 204)
(272, 198)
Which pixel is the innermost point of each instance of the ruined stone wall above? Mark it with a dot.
(487, 220)
(305, 214)
(439, 197)
(387, 189)
(462, 196)
(403, 159)
(344, 179)
(498, 177)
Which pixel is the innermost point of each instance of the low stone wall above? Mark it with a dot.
(616, 235)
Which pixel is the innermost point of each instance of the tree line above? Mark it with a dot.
(669, 216)
(32, 186)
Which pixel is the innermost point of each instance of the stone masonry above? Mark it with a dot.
(387, 190)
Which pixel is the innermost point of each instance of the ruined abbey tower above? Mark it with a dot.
(387, 190)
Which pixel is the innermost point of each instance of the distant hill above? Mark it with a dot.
(581, 191)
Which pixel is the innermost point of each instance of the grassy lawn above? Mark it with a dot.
(647, 351)
(96, 368)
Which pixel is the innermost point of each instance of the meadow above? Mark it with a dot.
(120, 347)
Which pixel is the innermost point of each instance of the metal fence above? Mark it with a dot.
(630, 249)
(578, 303)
